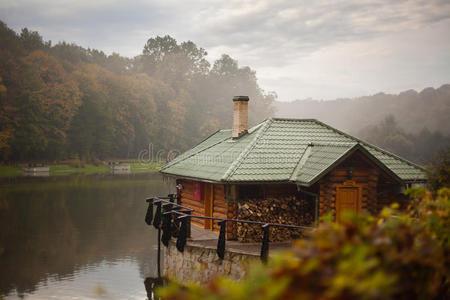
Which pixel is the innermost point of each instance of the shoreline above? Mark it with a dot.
(87, 169)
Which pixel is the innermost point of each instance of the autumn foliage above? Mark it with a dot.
(63, 101)
(396, 255)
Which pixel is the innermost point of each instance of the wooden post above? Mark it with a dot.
(209, 197)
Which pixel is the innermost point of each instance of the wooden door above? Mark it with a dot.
(348, 198)
(209, 198)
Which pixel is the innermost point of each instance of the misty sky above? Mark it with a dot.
(299, 49)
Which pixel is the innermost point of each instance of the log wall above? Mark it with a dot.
(366, 178)
(219, 205)
(187, 199)
(388, 194)
(282, 203)
(375, 192)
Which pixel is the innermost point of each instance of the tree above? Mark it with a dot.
(420, 147)
(47, 101)
(157, 48)
(32, 40)
(66, 100)
(196, 56)
(439, 171)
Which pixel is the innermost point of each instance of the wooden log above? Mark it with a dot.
(218, 188)
(193, 206)
(187, 185)
(198, 223)
(222, 216)
(222, 205)
(187, 193)
(220, 210)
(192, 203)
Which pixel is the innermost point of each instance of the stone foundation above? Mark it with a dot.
(200, 264)
(288, 210)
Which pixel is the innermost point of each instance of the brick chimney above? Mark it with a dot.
(240, 116)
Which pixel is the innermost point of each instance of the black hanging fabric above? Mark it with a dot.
(221, 240)
(149, 214)
(166, 225)
(265, 243)
(181, 241)
(157, 219)
(175, 225)
(171, 197)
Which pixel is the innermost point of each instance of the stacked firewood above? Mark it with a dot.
(284, 210)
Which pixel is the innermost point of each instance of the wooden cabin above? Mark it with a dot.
(288, 171)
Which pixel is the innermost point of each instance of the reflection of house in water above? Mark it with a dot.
(285, 171)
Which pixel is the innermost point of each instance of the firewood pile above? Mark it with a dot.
(285, 210)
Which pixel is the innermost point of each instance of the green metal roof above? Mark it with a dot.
(281, 150)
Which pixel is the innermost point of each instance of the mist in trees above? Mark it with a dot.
(413, 110)
(420, 147)
(62, 101)
(411, 124)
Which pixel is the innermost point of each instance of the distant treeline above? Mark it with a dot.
(413, 125)
(63, 101)
(420, 147)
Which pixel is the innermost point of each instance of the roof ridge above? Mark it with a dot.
(301, 162)
(251, 129)
(195, 153)
(336, 144)
(293, 119)
(371, 145)
(233, 167)
(324, 170)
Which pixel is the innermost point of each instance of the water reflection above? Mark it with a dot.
(77, 236)
(151, 284)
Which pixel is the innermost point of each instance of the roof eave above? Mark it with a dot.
(190, 178)
(373, 146)
(344, 157)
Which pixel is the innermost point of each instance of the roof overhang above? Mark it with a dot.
(227, 182)
(342, 158)
(190, 178)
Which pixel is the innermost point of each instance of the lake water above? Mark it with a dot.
(78, 237)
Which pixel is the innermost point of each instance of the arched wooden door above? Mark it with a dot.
(348, 198)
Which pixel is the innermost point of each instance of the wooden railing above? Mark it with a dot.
(174, 220)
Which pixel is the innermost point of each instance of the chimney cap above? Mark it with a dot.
(240, 98)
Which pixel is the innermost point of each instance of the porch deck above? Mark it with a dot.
(208, 239)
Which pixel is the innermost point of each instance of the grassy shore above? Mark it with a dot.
(64, 169)
(9, 171)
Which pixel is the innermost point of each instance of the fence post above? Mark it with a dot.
(265, 243)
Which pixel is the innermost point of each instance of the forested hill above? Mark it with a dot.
(61, 101)
(64, 101)
(412, 124)
(412, 110)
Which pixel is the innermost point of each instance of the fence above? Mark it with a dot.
(174, 220)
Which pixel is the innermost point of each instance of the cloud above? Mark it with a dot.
(288, 43)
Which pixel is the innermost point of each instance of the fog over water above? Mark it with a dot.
(77, 236)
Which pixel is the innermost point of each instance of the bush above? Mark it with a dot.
(439, 171)
(76, 163)
(396, 255)
(96, 162)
